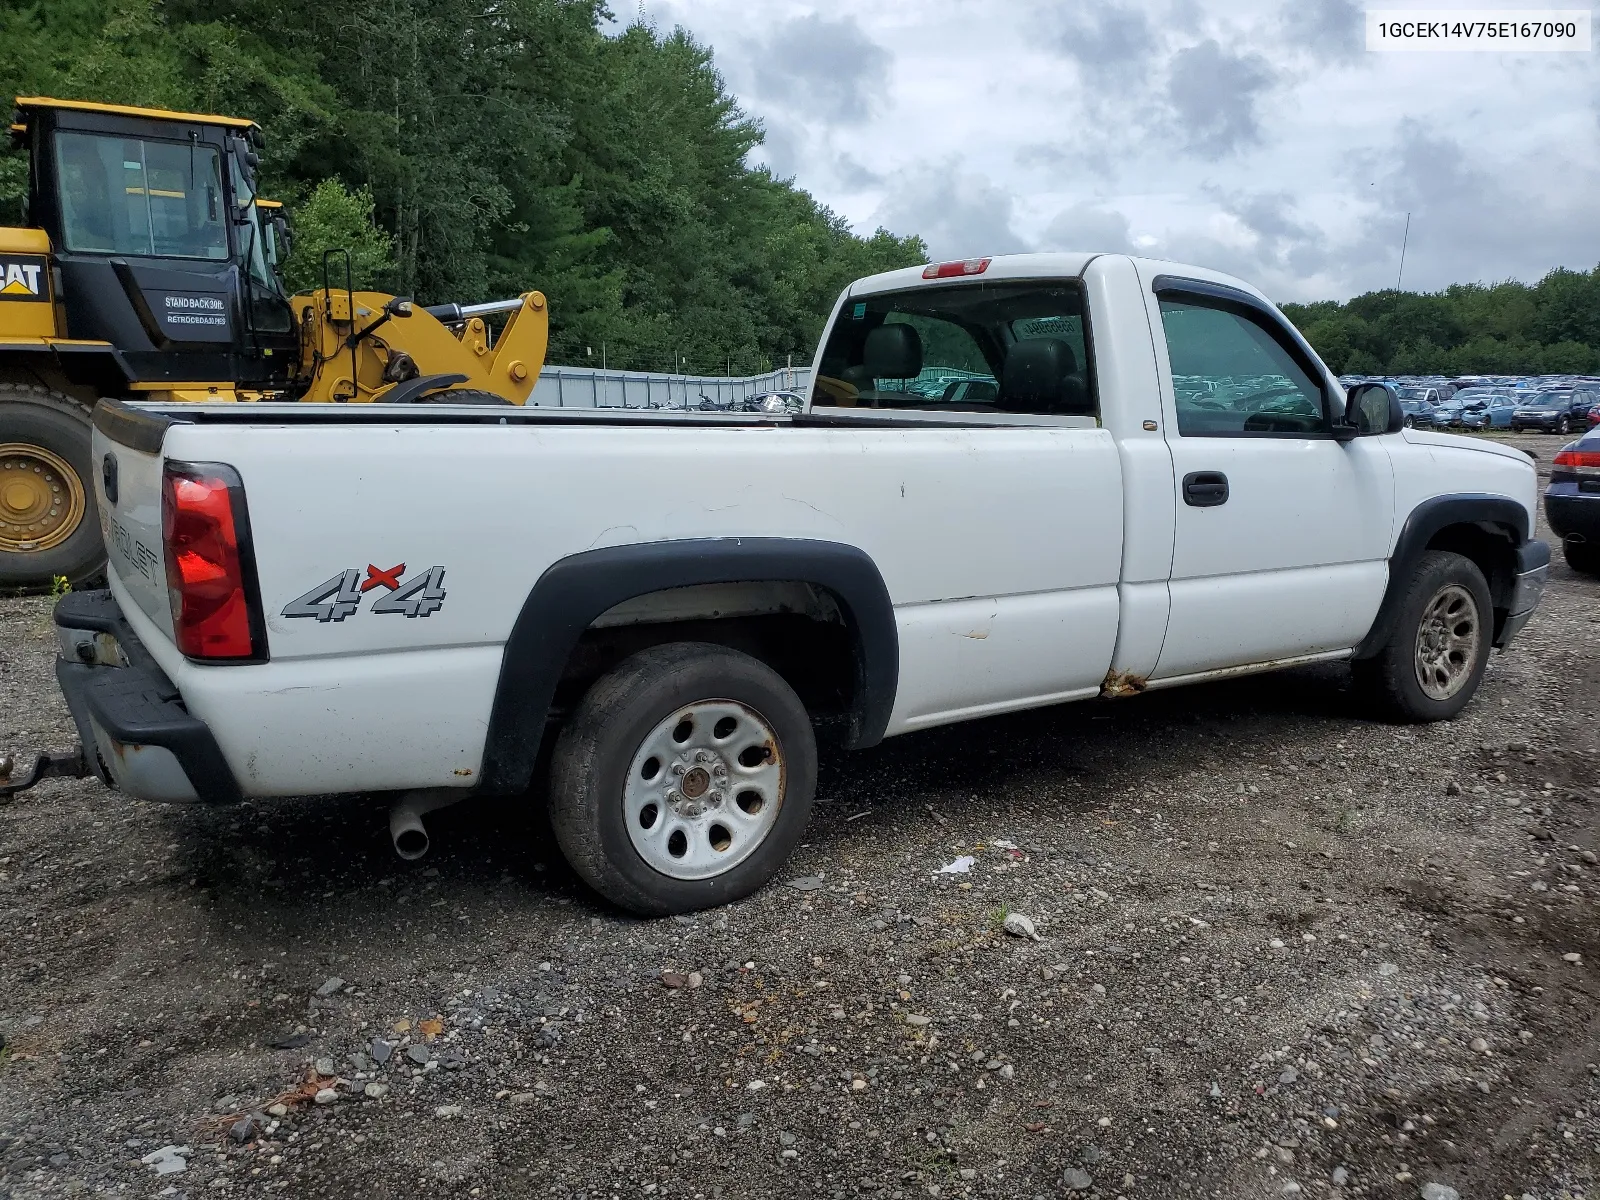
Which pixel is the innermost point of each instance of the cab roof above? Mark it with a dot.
(24, 103)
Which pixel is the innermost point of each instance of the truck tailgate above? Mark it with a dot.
(127, 454)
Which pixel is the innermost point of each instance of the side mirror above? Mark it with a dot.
(1373, 408)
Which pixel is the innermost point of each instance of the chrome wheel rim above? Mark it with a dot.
(704, 789)
(1447, 642)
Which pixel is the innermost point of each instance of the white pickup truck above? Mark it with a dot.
(671, 609)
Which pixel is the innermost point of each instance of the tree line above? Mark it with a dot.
(472, 149)
(1552, 327)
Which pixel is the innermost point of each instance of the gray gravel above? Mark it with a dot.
(1282, 950)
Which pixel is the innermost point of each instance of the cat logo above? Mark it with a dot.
(23, 277)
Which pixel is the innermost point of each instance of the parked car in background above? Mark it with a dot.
(1594, 416)
(1429, 394)
(1572, 502)
(1555, 410)
(1448, 412)
(1419, 413)
(1491, 413)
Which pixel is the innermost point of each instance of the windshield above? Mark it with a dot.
(948, 349)
(1413, 393)
(142, 197)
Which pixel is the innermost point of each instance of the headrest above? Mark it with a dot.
(893, 352)
(1040, 376)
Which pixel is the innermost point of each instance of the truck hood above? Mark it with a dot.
(1426, 437)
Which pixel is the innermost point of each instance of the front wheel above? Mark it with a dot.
(1409, 423)
(1436, 654)
(49, 522)
(684, 779)
(1563, 426)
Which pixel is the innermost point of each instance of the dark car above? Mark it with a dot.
(1555, 411)
(1572, 502)
(1428, 396)
(1419, 413)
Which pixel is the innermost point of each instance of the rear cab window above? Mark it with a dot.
(1008, 347)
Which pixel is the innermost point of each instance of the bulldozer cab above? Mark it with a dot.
(160, 246)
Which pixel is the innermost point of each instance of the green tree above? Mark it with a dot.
(332, 218)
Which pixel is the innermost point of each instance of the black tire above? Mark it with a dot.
(595, 754)
(39, 417)
(1583, 557)
(1409, 423)
(1564, 426)
(461, 396)
(1391, 678)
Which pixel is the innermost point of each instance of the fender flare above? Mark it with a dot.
(574, 591)
(1427, 519)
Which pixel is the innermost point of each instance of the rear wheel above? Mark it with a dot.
(49, 520)
(684, 779)
(1582, 556)
(1436, 654)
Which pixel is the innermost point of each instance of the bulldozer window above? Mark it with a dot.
(135, 196)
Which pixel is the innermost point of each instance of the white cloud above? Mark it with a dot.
(958, 214)
(1257, 136)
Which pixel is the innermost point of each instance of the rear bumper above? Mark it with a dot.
(130, 718)
(1573, 514)
(1533, 570)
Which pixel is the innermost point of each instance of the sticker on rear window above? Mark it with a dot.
(859, 311)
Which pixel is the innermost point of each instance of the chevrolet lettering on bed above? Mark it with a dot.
(1014, 481)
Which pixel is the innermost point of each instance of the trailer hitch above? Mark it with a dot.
(71, 764)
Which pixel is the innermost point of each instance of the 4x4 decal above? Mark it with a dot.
(340, 597)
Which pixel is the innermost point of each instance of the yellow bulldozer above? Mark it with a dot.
(148, 270)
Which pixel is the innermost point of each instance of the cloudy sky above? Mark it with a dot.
(1256, 136)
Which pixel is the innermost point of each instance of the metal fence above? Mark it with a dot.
(589, 387)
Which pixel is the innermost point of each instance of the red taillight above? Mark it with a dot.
(215, 614)
(1577, 458)
(954, 270)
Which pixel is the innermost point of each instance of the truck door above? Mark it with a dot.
(1282, 533)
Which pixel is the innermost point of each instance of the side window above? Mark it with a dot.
(1233, 377)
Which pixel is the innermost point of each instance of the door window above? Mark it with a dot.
(148, 198)
(1233, 376)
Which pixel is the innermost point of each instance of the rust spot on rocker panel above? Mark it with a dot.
(1118, 685)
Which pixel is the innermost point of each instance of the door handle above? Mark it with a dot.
(1205, 489)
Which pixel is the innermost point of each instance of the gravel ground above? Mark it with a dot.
(1281, 949)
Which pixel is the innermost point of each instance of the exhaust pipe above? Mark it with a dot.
(406, 830)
